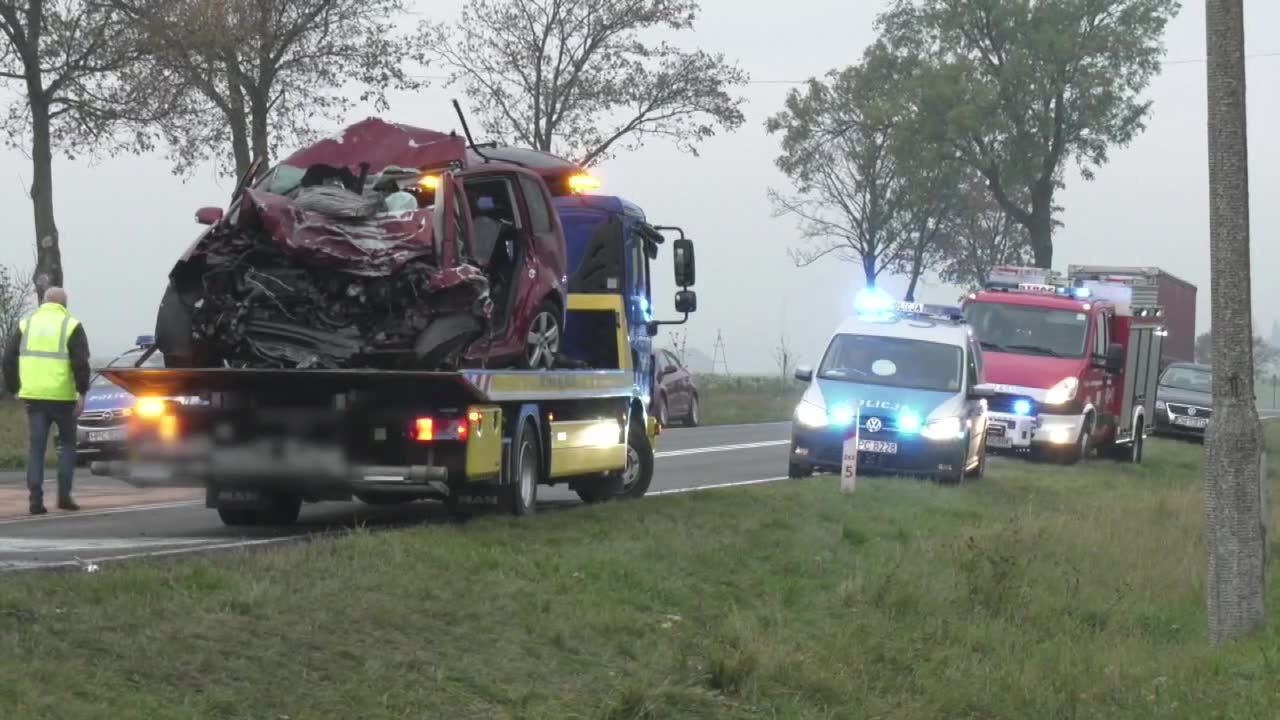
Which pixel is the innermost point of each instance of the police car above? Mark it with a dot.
(905, 377)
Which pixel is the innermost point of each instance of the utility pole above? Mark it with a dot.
(719, 359)
(1234, 502)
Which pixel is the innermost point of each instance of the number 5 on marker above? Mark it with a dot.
(849, 459)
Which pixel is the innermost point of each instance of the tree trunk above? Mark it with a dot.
(1234, 511)
(1041, 226)
(48, 271)
(869, 270)
(239, 128)
(258, 127)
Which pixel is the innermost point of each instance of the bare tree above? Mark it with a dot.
(575, 77)
(1234, 502)
(250, 75)
(783, 356)
(70, 61)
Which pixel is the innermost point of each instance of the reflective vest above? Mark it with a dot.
(44, 364)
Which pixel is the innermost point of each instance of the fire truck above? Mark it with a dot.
(1073, 364)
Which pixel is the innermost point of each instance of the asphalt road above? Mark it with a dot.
(687, 460)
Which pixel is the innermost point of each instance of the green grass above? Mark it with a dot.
(13, 436)
(737, 399)
(1037, 593)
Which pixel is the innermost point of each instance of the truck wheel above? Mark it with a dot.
(1080, 450)
(524, 471)
(694, 418)
(238, 517)
(1133, 453)
(638, 473)
(282, 509)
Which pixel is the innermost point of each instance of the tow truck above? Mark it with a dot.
(1073, 364)
(264, 440)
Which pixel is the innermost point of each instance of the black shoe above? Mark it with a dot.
(38, 510)
(67, 504)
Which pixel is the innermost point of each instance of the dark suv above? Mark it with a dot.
(388, 246)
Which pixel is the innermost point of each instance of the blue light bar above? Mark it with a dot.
(1021, 407)
(145, 340)
(872, 301)
(909, 422)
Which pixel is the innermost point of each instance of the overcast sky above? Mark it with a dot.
(124, 221)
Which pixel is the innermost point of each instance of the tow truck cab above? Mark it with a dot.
(1073, 366)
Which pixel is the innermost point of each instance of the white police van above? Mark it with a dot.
(907, 377)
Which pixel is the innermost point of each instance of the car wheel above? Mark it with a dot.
(958, 473)
(525, 471)
(282, 509)
(1081, 449)
(238, 517)
(980, 471)
(637, 475)
(694, 418)
(660, 411)
(796, 471)
(543, 340)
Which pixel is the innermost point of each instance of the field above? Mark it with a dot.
(1035, 593)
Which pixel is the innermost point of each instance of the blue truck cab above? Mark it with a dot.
(610, 248)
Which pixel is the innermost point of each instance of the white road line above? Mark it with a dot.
(16, 566)
(36, 545)
(99, 513)
(720, 448)
(717, 486)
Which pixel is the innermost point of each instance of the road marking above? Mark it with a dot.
(720, 448)
(19, 565)
(35, 545)
(99, 513)
(696, 488)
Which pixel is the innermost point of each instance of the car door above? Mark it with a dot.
(977, 419)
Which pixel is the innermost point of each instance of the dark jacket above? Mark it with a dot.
(77, 348)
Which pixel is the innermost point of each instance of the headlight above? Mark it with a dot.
(944, 428)
(811, 415)
(1063, 392)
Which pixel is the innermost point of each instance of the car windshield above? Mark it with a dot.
(284, 179)
(1188, 378)
(896, 362)
(127, 360)
(1028, 330)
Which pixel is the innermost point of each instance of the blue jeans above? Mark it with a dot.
(41, 415)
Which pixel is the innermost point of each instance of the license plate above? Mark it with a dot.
(238, 497)
(878, 446)
(999, 441)
(111, 435)
(1191, 422)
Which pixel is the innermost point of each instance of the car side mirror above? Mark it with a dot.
(1115, 358)
(682, 250)
(668, 369)
(209, 215)
(804, 374)
(686, 301)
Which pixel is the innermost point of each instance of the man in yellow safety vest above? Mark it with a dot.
(46, 364)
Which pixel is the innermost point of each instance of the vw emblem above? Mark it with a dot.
(1191, 411)
(874, 425)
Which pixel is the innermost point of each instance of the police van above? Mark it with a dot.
(904, 380)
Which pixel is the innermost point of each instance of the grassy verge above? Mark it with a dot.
(13, 434)
(732, 400)
(1032, 594)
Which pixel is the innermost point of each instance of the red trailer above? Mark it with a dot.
(1154, 287)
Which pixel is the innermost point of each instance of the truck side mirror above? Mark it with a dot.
(209, 215)
(1115, 358)
(981, 392)
(686, 301)
(804, 373)
(683, 262)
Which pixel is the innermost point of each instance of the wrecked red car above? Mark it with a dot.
(385, 246)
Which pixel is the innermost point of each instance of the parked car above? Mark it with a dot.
(675, 394)
(1184, 400)
(101, 429)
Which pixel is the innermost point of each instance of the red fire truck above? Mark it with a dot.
(1073, 364)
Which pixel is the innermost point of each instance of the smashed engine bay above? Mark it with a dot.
(327, 277)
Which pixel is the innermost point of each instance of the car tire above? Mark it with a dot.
(980, 471)
(637, 476)
(524, 471)
(660, 411)
(797, 471)
(1080, 450)
(238, 517)
(694, 418)
(957, 474)
(282, 510)
(542, 341)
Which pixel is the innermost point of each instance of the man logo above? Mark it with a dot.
(873, 425)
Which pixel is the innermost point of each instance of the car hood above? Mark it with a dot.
(1187, 397)
(109, 397)
(881, 399)
(1030, 371)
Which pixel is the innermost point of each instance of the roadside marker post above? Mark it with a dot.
(849, 459)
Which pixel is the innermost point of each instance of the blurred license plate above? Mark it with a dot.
(1191, 422)
(106, 435)
(878, 446)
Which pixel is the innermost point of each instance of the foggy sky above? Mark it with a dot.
(123, 221)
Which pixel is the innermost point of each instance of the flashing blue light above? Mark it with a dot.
(644, 307)
(872, 301)
(1022, 407)
(841, 415)
(1081, 292)
(908, 422)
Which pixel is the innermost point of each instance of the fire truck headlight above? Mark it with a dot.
(1062, 392)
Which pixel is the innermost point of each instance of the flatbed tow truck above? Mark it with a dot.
(261, 442)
